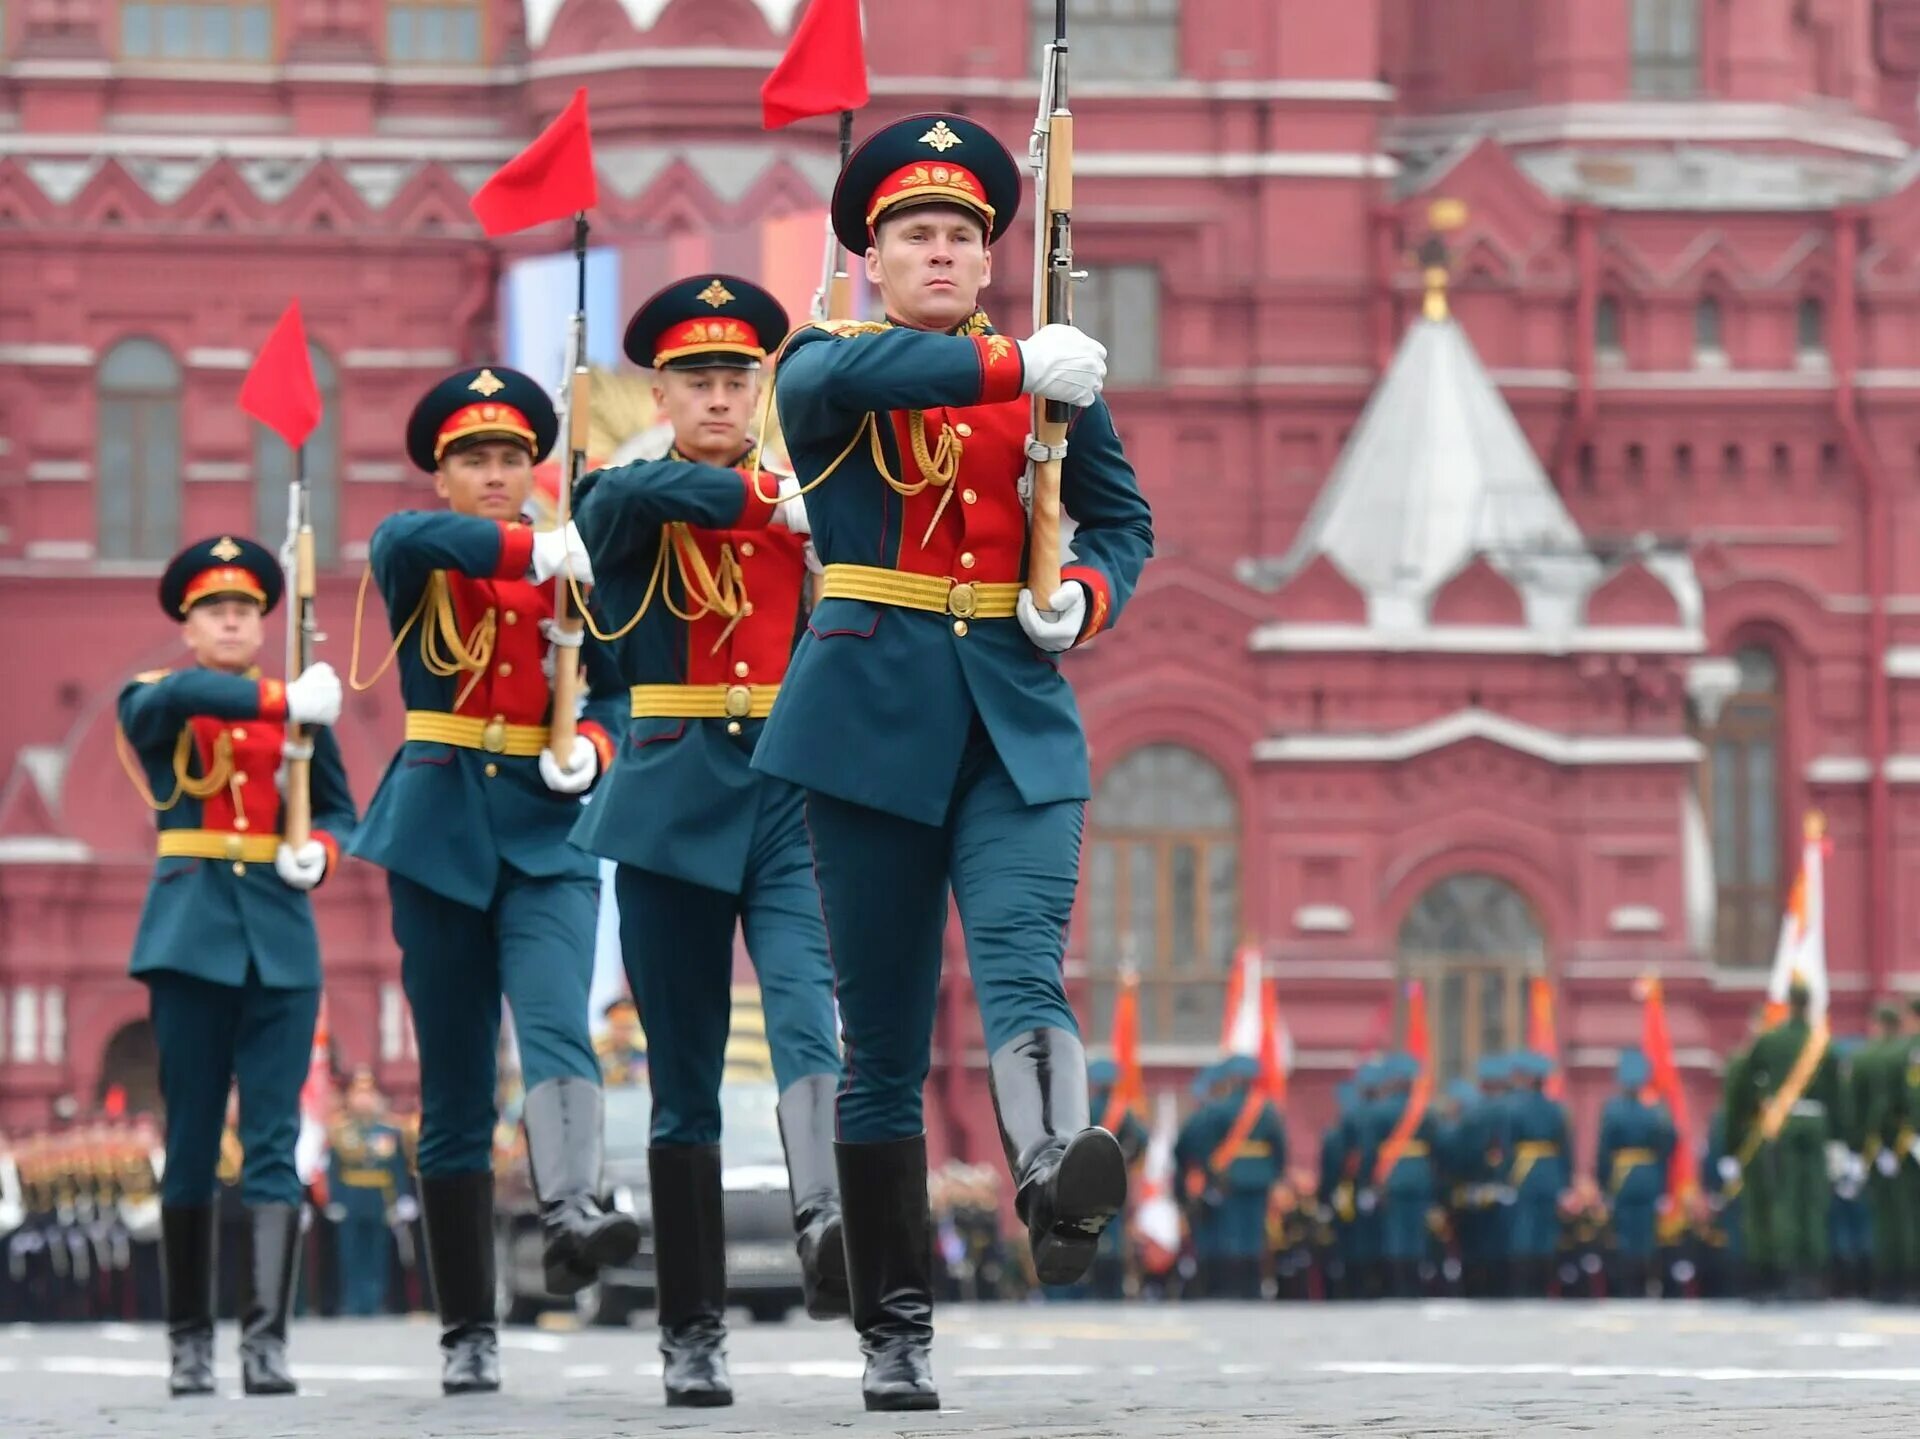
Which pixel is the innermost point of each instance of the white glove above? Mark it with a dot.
(406, 1209)
(1367, 1202)
(790, 510)
(1729, 1168)
(1887, 1162)
(1063, 364)
(812, 558)
(555, 550)
(578, 776)
(301, 868)
(314, 698)
(1836, 1159)
(1055, 628)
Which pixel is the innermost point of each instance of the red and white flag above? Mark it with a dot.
(310, 1149)
(1802, 949)
(1156, 1218)
(1252, 1024)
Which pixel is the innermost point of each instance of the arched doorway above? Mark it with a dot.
(1473, 940)
(132, 1061)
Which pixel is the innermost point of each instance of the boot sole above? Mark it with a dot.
(1089, 1189)
(896, 1403)
(699, 1398)
(615, 1244)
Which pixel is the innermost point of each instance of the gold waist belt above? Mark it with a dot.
(702, 701)
(218, 844)
(495, 736)
(936, 594)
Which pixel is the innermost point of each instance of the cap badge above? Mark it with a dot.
(488, 384)
(940, 137)
(226, 550)
(716, 295)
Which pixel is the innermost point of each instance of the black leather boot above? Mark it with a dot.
(266, 1297)
(806, 1133)
(564, 1120)
(1069, 1176)
(889, 1241)
(457, 1214)
(690, 1273)
(187, 1278)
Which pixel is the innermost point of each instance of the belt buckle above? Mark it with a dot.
(739, 701)
(236, 846)
(962, 602)
(493, 736)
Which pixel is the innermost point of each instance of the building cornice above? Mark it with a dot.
(1469, 724)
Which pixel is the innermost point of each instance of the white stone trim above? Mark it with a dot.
(1712, 379)
(1903, 769)
(1698, 122)
(216, 471)
(1222, 376)
(1323, 919)
(64, 551)
(1466, 724)
(418, 148)
(353, 552)
(204, 357)
(1354, 92)
(695, 57)
(1635, 919)
(41, 472)
(1903, 662)
(44, 849)
(1523, 379)
(1234, 165)
(442, 358)
(376, 472)
(1777, 536)
(1335, 638)
(46, 354)
(1839, 769)
(1354, 971)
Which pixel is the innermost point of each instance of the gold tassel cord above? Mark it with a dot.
(220, 774)
(444, 651)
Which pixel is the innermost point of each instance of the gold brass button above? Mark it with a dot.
(238, 733)
(969, 496)
(963, 429)
(239, 868)
(740, 668)
(492, 769)
(234, 847)
(962, 601)
(733, 726)
(240, 821)
(505, 669)
(511, 618)
(746, 549)
(493, 738)
(966, 560)
(739, 701)
(960, 628)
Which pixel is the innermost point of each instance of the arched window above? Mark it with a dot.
(435, 32)
(1740, 793)
(1472, 939)
(1163, 890)
(1811, 330)
(1666, 48)
(1708, 348)
(203, 31)
(273, 470)
(1606, 330)
(138, 474)
(132, 1062)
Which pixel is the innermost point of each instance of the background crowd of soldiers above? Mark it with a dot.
(1482, 1195)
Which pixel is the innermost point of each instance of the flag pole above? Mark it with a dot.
(561, 728)
(297, 822)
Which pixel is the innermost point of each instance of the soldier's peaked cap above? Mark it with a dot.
(488, 402)
(216, 568)
(703, 321)
(925, 159)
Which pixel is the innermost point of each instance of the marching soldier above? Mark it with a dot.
(1882, 1118)
(1230, 1154)
(622, 1050)
(226, 944)
(1539, 1170)
(369, 1190)
(1408, 1185)
(926, 718)
(470, 822)
(711, 587)
(1635, 1148)
(1110, 1260)
(1781, 1096)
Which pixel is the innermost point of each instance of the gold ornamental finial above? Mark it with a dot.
(1444, 215)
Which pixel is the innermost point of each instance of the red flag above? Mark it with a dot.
(1657, 1044)
(1276, 1045)
(1540, 1037)
(1420, 1046)
(549, 180)
(824, 69)
(1130, 1092)
(280, 390)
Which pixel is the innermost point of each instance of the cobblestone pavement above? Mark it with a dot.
(1065, 1370)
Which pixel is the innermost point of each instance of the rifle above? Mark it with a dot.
(575, 405)
(296, 558)
(1050, 152)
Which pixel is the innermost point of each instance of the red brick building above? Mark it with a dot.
(1564, 723)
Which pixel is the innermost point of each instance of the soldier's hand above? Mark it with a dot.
(314, 696)
(1055, 628)
(406, 1209)
(790, 510)
(1887, 1162)
(301, 868)
(582, 766)
(1729, 1168)
(558, 550)
(1063, 364)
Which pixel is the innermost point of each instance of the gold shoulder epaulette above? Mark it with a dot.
(845, 328)
(151, 677)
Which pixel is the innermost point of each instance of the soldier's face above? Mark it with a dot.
(491, 479)
(931, 265)
(710, 409)
(225, 633)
